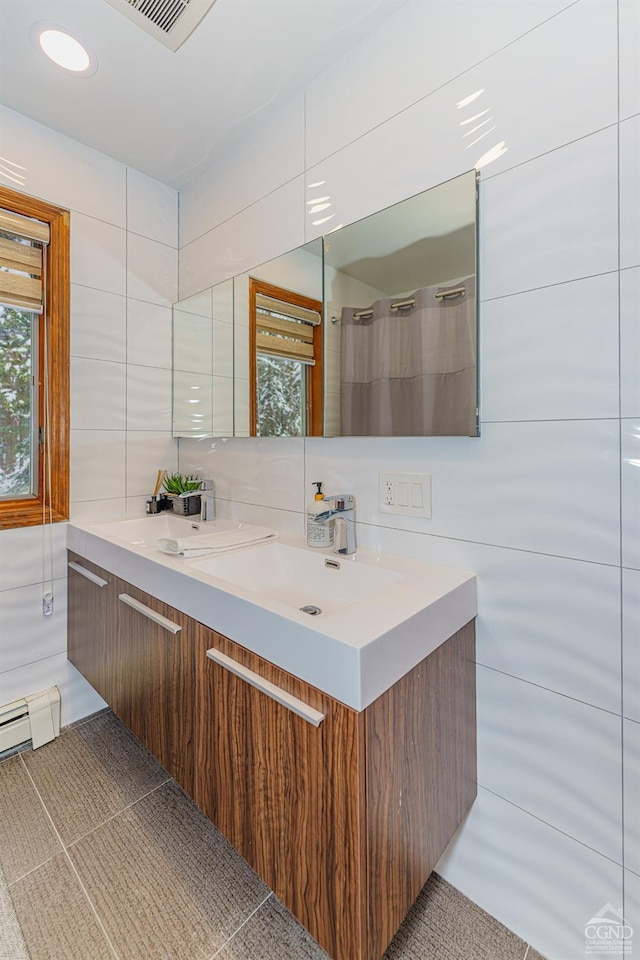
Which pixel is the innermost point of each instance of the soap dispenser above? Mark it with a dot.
(318, 534)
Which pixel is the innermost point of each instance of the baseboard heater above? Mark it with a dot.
(35, 718)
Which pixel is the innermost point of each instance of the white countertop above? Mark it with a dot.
(354, 654)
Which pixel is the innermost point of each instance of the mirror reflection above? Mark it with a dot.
(279, 346)
(369, 331)
(401, 308)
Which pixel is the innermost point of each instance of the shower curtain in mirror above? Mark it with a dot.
(410, 372)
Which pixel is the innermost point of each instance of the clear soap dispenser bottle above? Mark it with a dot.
(318, 534)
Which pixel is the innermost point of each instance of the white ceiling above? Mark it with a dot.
(171, 114)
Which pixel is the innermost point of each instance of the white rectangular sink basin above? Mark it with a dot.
(381, 614)
(146, 531)
(298, 577)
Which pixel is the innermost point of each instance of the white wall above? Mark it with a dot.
(123, 280)
(544, 506)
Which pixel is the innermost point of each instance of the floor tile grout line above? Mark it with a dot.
(33, 870)
(115, 815)
(72, 866)
(243, 924)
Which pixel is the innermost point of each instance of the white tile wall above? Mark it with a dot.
(629, 192)
(533, 505)
(98, 400)
(565, 337)
(549, 486)
(22, 621)
(151, 271)
(148, 338)
(98, 324)
(530, 752)
(631, 734)
(261, 471)
(629, 61)
(61, 170)
(236, 181)
(632, 901)
(269, 227)
(118, 347)
(148, 398)
(552, 621)
(98, 254)
(152, 208)
(427, 63)
(514, 865)
(535, 226)
(631, 644)
(631, 493)
(630, 342)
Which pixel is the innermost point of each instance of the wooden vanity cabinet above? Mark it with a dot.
(154, 682)
(141, 660)
(344, 814)
(91, 623)
(344, 821)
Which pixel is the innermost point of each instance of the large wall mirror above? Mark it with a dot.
(369, 331)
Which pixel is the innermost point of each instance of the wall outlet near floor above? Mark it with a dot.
(405, 494)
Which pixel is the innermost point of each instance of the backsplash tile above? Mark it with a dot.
(520, 485)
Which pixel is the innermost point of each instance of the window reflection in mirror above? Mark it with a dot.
(294, 280)
(285, 357)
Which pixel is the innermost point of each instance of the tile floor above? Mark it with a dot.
(104, 856)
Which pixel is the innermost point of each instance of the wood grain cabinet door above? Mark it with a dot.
(91, 623)
(284, 791)
(154, 689)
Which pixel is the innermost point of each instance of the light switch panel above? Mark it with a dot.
(405, 494)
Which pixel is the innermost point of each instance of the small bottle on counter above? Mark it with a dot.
(318, 534)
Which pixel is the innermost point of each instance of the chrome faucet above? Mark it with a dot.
(345, 510)
(207, 506)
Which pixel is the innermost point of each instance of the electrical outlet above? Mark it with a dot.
(405, 494)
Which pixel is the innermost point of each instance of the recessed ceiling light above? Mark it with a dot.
(64, 48)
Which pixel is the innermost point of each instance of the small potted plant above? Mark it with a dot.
(183, 491)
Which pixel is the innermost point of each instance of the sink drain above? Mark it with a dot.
(311, 609)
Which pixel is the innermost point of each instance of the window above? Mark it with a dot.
(285, 344)
(34, 361)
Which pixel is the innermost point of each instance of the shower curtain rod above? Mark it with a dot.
(405, 304)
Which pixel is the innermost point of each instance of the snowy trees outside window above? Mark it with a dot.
(16, 359)
(281, 400)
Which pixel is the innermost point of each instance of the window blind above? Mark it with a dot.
(285, 329)
(22, 242)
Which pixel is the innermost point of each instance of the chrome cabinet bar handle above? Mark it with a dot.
(276, 693)
(150, 614)
(89, 574)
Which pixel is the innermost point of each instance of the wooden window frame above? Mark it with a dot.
(314, 424)
(31, 512)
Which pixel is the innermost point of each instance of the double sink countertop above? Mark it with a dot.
(380, 614)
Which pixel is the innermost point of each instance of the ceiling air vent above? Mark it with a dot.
(169, 21)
